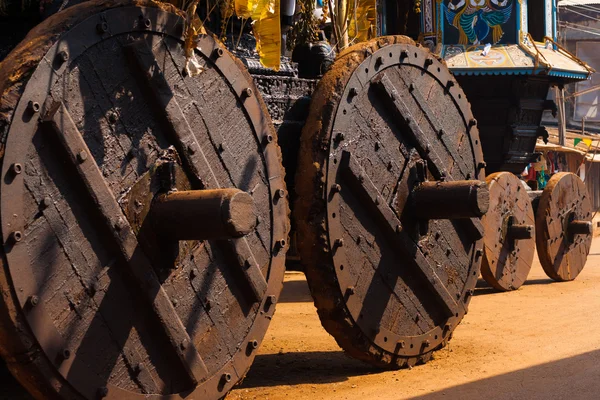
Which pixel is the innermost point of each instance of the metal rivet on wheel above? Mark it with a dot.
(268, 139)
(248, 92)
(33, 300)
(218, 52)
(226, 377)
(350, 290)
(336, 188)
(16, 168)
(33, 106)
(472, 122)
(82, 156)
(404, 54)
(147, 23)
(279, 194)
(16, 236)
(353, 92)
(339, 243)
(253, 344)
(63, 56)
(66, 354)
(269, 302)
(102, 27)
(428, 62)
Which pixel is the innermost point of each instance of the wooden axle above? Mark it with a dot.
(204, 214)
(577, 227)
(520, 232)
(451, 200)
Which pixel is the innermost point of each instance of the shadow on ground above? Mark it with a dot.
(570, 378)
(304, 367)
(295, 292)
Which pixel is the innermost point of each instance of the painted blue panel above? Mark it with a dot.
(479, 21)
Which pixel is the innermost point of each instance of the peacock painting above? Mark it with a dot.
(478, 21)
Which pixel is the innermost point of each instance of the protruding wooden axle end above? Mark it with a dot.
(520, 232)
(204, 214)
(451, 200)
(578, 227)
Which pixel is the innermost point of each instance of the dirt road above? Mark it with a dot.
(541, 342)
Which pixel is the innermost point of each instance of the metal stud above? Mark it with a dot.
(16, 236)
(218, 52)
(82, 156)
(33, 300)
(16, 168)
(247, 92)
(33, 106)
(63, 56)
(102, 27)
(226, 377)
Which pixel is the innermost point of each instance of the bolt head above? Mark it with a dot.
(102, 27)
(34, 300)
(16, 168)
(82, 156)
(63, 56)
(16, 236)
(248, 92)
(33, 106)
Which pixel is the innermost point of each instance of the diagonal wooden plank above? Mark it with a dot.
(358, 179)
(190, 151)
(426, 151)
(59, 121)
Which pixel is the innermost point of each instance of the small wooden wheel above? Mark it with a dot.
(509, 233)
(563, 223)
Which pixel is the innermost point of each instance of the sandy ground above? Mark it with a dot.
(541, 342)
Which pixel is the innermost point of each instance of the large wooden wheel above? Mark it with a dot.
(509, 241)
(144, 213)
(389, 203)
(564, 227)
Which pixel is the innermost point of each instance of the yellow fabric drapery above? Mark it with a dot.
(362, 16)
(266, 27)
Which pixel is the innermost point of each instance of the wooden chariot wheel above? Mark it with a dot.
(389, 202)
(509, 240)
(144, 212)
(564, 228)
